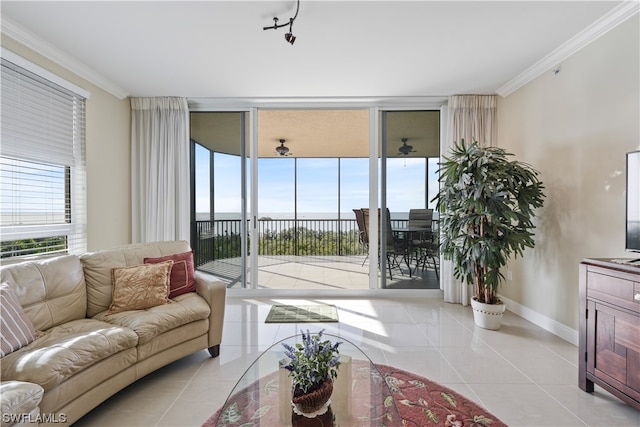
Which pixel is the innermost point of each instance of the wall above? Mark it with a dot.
(575, 128)
(108, 157)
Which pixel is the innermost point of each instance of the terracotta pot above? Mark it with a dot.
(313, 401)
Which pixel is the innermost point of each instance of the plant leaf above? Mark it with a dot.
(231, 414)
(261, 411)
(431, 416)
(449, 398)
(388, 402)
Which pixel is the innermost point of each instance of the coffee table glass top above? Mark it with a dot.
(262, 397)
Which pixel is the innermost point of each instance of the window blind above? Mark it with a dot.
(42, 164)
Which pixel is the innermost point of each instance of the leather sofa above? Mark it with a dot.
(85, 353)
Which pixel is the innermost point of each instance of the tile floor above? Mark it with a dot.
(521, 373)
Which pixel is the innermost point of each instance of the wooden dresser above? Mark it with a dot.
(609, 341)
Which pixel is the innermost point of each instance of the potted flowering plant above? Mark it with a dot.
(313, 365)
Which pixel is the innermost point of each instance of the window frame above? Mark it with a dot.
(73, 227)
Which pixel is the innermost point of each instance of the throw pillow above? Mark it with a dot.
(177, 286)
(16, 329)
(140, 287)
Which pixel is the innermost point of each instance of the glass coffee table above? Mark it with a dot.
(262, 397)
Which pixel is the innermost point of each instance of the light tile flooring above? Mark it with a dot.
(521, 373)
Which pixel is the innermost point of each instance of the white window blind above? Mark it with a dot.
(42, 164)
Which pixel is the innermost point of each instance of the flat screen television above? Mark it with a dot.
(633, 202)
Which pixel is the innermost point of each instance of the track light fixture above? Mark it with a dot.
(289, 37)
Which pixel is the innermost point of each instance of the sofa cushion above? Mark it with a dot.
(16, 330)
(19, 400)
(150, 323)
(140, 287)
(66, 350)
(97, 268)
(51, 291)
(178, 283)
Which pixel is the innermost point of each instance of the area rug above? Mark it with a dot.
(319, 313)
(419, 402)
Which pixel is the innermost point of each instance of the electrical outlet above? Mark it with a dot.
(509, 275)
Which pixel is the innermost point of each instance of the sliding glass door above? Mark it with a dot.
(219, 226)
(409, 147)
(312, 171)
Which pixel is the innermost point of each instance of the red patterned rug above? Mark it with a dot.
(420, 402)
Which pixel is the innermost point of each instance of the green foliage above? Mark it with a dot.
(24, 247)
(487, 204)
(305, 241)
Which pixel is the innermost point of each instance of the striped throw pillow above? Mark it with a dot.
(16, 330)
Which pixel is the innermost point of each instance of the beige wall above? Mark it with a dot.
(108, 157)
(575, 127)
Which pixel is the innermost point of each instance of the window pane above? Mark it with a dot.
(354, 184)
(276, 187)
(42, 162)
(317, 195)
(33, 193)
(405, 184)
(202, 183)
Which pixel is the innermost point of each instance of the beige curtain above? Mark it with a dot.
(472, 118)
(160, 186)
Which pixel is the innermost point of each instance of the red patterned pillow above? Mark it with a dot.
(183, 274)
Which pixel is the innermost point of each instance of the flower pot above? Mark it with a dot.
(487, 316)
(314, 402)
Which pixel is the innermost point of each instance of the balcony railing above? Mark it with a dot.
(220, 239)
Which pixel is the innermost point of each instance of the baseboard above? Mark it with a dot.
(546, 323)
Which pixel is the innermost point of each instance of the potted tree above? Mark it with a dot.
(486, 204)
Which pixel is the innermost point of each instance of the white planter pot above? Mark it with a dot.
(487, 316)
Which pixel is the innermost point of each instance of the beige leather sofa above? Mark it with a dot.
(87, 355)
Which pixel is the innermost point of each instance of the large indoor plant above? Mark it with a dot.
(312, 365)
(487, 203)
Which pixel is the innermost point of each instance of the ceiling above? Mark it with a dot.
(202, 49)
(344, 50)
(319, 132)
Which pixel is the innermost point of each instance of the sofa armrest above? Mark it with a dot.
(215, 293)
(19, 401)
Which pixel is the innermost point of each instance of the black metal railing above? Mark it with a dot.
(220, 239)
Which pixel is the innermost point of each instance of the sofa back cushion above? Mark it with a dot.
(51, 291)
(98, 266)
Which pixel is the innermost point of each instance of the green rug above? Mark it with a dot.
(302, 314)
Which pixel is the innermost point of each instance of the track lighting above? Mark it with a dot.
(289, 37)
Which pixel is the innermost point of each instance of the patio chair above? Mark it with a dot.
(394, 247)
(423, 244)
(363, 238)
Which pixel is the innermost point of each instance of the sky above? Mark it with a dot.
(317, 183)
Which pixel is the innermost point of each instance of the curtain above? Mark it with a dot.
(160, 183)
(472, 118)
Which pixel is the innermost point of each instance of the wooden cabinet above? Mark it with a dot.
(609, 341)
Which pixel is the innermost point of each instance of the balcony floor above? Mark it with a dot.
(319, 272)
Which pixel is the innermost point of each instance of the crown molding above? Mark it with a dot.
(607, 22)
(28, 39)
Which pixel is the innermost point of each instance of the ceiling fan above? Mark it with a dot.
(282, 149)
(404, 148)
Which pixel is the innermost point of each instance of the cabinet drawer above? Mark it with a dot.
(623, 292)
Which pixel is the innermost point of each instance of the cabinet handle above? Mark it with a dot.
(636, 296)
